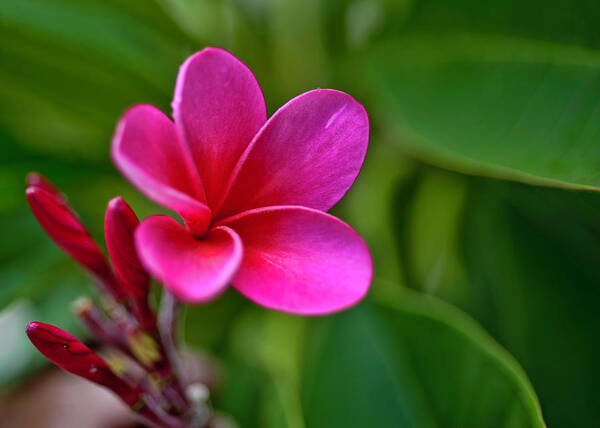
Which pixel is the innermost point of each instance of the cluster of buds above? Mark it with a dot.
(145, 369)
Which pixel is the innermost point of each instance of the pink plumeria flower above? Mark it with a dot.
(252, 192)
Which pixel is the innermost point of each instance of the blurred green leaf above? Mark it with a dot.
(204, 20)
(209, 326)
(371, 207)
(70, 68)
(240, 395)
(297, 26)
(435, 217)
(551, 20)
(499, 106)
(413, 363)
(272, 343)
(531, 260)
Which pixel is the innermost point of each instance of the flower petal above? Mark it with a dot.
(309, 153)
(300, 260)
(194, 270)
(218, 107)
(149, 153)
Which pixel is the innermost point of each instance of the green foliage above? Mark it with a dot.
(503, 89)
(530, 258)
(415, 362)
(495, 106)
(506, 88)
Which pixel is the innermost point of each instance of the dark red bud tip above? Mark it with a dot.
(37, 179)
(64, 228)
(64, 350)
(119, 224)
(68, 353)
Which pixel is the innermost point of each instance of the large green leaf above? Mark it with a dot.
(492, 105)
(530, 264)
(502, 88)
(536, 288)
(414, 363)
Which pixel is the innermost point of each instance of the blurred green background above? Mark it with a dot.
(478, 198)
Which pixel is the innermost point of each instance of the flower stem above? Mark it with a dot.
(151, 413)
(101, 327)
(167, 327)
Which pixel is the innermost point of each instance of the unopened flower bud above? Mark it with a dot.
(68, 353)
(64, 227)
(119, 224)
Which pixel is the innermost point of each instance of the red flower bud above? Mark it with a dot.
(71, 355)
(62, 225)
(119, 224)
(37, 179)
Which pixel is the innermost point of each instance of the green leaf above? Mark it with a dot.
(531, 269)
(536, 288)
(215, 320)
(71, 68)
(204, 20)
(239, 396)
(491, 105)
(373, 196)
(536, 19)
(413, 363)
(435, 218)
(272, 343)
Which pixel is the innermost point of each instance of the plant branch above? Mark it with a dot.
(167, 328)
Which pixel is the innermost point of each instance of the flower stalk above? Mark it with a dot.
(100, 326)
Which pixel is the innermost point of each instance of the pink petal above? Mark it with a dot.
(309, 153)
(218, 108)
(300, 260)
(194, 270)
(149, 153)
